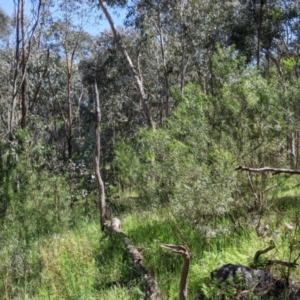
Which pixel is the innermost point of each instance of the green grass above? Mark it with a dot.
(84, 263)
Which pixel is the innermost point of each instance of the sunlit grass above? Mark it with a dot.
(69, 266)
(84, 263)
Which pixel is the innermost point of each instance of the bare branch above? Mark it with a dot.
(185, 269)
(282, 263)
(274, 171)
(263, 251)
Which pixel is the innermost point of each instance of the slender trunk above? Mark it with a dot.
(1, 165)
(11, 121)
(68, 121)
(166, 76)
(69, 129)
(292, 149)
(137, 78)
(23, 63)
(259, 31)
(182, 68)
(161, 100)
(69, 132)
(101, 202)
(183, 48)
(15, 86)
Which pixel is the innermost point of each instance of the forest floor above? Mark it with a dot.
(87, 264)
(82, 262)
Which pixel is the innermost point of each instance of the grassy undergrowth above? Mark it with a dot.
(84, 263)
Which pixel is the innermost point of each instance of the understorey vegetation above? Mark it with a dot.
(177, 132)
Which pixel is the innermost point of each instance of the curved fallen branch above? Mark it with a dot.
(271, 262)
(274, 171)
(282, 263)
(260, 252)
(153, 292)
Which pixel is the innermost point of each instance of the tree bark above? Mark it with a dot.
(11, 120)
(69, 124)
(183, 48)
(101, 188)
(69, 133)
(292, 147)
(23, 64)
(165, 106)
(121, 46)
(259, 31)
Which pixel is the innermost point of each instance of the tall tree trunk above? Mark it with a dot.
(137, 78)
(69, 132)
(101, 188)
(165, 106)
(11, 121)
(21, 61)
(69, 122)
(183, 47)
(259, 31)
(291, 144)
(23, 64)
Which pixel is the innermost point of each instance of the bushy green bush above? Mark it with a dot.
(189, 163)
(35, 204)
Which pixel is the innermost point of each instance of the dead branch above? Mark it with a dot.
(185, 269)
(282, 263)
(263, 251)
(271, 262)
(274, 171)
(137, 258)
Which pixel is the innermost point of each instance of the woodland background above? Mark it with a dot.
(211, 85)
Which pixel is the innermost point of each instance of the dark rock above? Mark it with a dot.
(248, 277)
(249, 282)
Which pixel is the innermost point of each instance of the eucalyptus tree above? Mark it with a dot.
(24, 33)
(67, 39)
(122, 114)
(134, 68)
(4, 68)
(181, 37)
(23, 59)
(265, 28)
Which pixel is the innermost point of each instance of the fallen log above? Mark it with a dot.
(153, 292)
